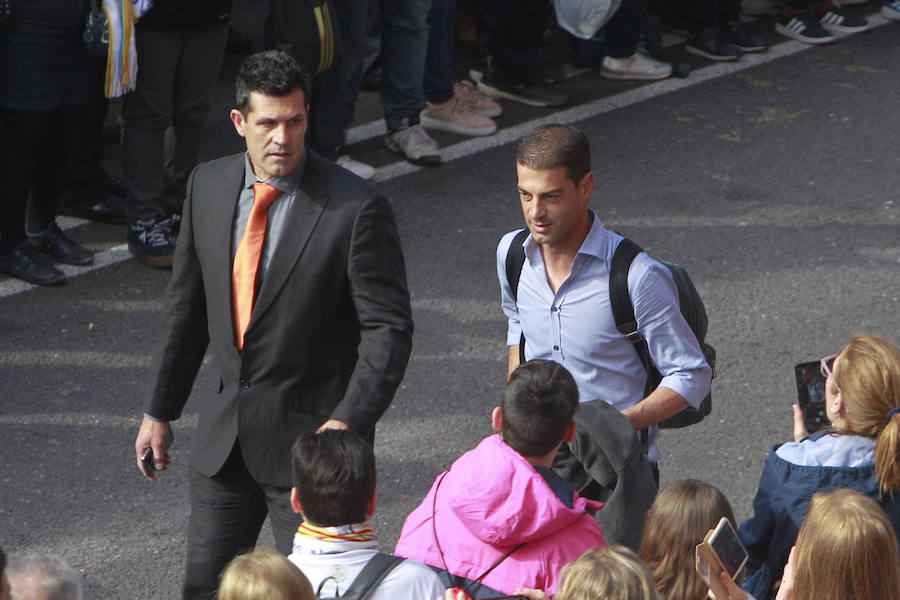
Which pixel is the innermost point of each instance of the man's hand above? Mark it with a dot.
(156, 436)
(800, 431)
(333, 424)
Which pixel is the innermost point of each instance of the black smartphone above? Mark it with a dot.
(147, 461)
(811, 395)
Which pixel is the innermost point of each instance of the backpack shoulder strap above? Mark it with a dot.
(515, 258)
(378, 567)
(619, 299)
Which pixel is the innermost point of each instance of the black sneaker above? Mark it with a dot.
(496, 84)
(803, 26)
(738, 34)
(27, 264)
(95, 205)
(837, 20)
(712, 44)
(60, 247)
(153, 242)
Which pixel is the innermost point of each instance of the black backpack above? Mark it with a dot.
(623, 312)
(368, 579)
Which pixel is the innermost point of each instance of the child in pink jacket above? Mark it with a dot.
(500, 519)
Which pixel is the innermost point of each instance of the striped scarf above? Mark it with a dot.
(311, 539)
(121, 59)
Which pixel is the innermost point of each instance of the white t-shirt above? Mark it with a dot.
(410, 580)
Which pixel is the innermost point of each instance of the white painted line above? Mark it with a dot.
(503, 136)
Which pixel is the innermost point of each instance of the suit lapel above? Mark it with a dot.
(309, 204)
(221, 218)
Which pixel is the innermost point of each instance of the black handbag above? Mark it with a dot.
(307, 30)
(96, 31)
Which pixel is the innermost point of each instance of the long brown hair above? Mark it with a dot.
(846, 550)
(680, 517)
(867, 372)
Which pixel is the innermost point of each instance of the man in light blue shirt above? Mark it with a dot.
(562, 302)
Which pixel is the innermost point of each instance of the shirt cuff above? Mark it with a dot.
(154, 419)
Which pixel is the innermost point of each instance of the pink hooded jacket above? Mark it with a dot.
(491, 500)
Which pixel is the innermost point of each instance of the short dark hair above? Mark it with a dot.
(334, 473)
(272, 73)
(551, 146)
(539, 402)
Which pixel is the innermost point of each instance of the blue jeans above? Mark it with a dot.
(404, 42)
(177, 72)
(439, 63)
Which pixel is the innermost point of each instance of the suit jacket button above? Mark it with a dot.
(245, 385)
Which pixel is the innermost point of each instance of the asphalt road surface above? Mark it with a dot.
(773, 179)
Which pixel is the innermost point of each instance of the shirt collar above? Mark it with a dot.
(286, 184)
(595, 244)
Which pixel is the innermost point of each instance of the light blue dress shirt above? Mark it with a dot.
(575, 326)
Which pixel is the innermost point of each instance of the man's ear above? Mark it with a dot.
(586, 185)
(569, 435)
(497, 419)
(237, 117)
(370, 507)
(295, 501)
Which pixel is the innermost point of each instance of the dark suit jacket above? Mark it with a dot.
(331, 329)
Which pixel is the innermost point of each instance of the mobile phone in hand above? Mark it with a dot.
(811, 395)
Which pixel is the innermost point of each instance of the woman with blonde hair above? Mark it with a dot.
(610, 573)
(263, 575)
(683, 512)
(846, 550)
(860, 451)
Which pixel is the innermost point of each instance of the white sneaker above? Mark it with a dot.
(891, 10)
(636, 66)
(360, 169)
(456, 116)
(480, 103)
(414, 143)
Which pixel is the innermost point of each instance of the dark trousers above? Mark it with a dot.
(334, 92)
(35, 146)
(618, 38)
(177, 72)
(227, 513)
(440, 74)
(510, 31)
(712, 14)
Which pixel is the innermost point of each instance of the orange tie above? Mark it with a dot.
(246, 259)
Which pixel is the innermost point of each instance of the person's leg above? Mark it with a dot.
(518, 26)
(621, 35)
(196, 74)
(67, 129)
(335, 90)
(282, 517)
(227, 513)
(439, 67)
(147, 114)
(21, 132)
(404, 40)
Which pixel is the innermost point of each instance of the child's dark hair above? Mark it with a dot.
(334, 473)
(538, 404)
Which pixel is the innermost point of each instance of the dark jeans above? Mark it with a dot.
(404, 42)
(439, 64)
(712, 14)
(35, 146)
(510, 31)
(227, 513)
(334, 91)
(176, 76)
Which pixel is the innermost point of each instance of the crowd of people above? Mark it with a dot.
(288, 270)
(53, 98)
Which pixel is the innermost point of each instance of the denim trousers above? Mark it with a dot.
(404, 43)
(440, 73)
(177, 72)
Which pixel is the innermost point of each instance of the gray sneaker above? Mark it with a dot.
(414, 144)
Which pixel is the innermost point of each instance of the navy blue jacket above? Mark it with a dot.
(779, 507)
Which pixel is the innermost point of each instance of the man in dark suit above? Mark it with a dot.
(323, 342)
